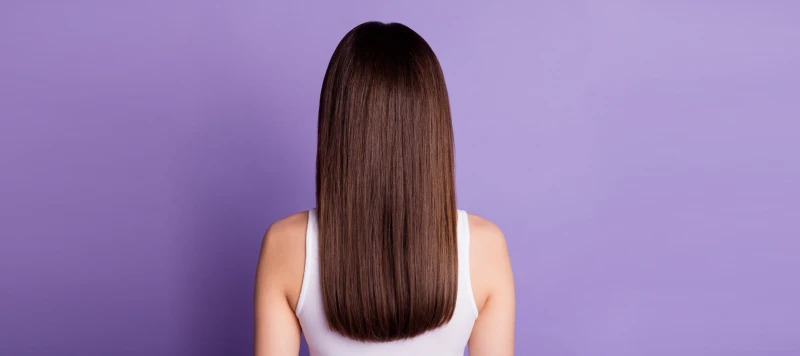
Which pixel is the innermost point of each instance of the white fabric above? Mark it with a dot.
(448, 340)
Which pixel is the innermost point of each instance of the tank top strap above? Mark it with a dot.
(311, 267)
(464, 275)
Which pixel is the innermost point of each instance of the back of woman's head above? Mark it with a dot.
(385, 187)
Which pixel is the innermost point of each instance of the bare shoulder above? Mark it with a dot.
(282, 259)
(285, 237)
(490, 266)
(487, 242)
(483, 229)
(291, 226)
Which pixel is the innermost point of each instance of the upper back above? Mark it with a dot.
(296, 237)
(449, 339)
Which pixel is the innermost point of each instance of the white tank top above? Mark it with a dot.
(448, 340)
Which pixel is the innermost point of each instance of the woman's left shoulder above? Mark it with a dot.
(282, 257)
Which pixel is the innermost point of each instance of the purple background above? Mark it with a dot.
(642, 158)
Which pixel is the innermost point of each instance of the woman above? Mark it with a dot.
(385, 265)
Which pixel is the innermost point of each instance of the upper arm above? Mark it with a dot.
(493, 283)
(277, 330)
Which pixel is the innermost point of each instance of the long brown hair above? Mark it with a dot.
(385, 187)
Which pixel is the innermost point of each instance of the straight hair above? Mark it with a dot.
(385, 187)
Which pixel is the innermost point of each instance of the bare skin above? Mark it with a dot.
(280, 276)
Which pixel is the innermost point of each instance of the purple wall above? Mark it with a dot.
(643, 160)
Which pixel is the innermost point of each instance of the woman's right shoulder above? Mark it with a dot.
(490, 265)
